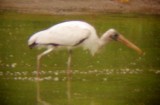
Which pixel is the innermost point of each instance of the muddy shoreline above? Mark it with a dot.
(81, 6)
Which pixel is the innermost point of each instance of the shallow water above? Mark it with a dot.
(115, 76)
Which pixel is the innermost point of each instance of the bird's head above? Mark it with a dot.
(32, 41)
(113, 35)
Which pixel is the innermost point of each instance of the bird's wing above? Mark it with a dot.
(64, 35)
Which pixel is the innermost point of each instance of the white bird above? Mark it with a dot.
(72, 34)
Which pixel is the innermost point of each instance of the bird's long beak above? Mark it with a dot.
(126, 42)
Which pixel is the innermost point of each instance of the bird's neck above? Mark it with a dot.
(103, 40)
(98, 43)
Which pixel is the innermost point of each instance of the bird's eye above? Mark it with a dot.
(115, 36)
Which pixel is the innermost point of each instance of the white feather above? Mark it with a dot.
(68, 34)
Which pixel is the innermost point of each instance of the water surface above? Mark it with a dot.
(115, 76)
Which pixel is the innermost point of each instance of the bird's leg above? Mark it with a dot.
(39, 58)
(38, 70)
(69, 71)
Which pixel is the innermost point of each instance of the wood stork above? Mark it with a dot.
(72, 34)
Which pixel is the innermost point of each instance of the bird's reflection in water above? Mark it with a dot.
(68, 91)
(69, 98)
(39, 99)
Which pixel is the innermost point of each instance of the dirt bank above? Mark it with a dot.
(81, 6)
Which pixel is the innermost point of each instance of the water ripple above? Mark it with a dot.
(60, 75)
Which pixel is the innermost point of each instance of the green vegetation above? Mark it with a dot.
(115, 76)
